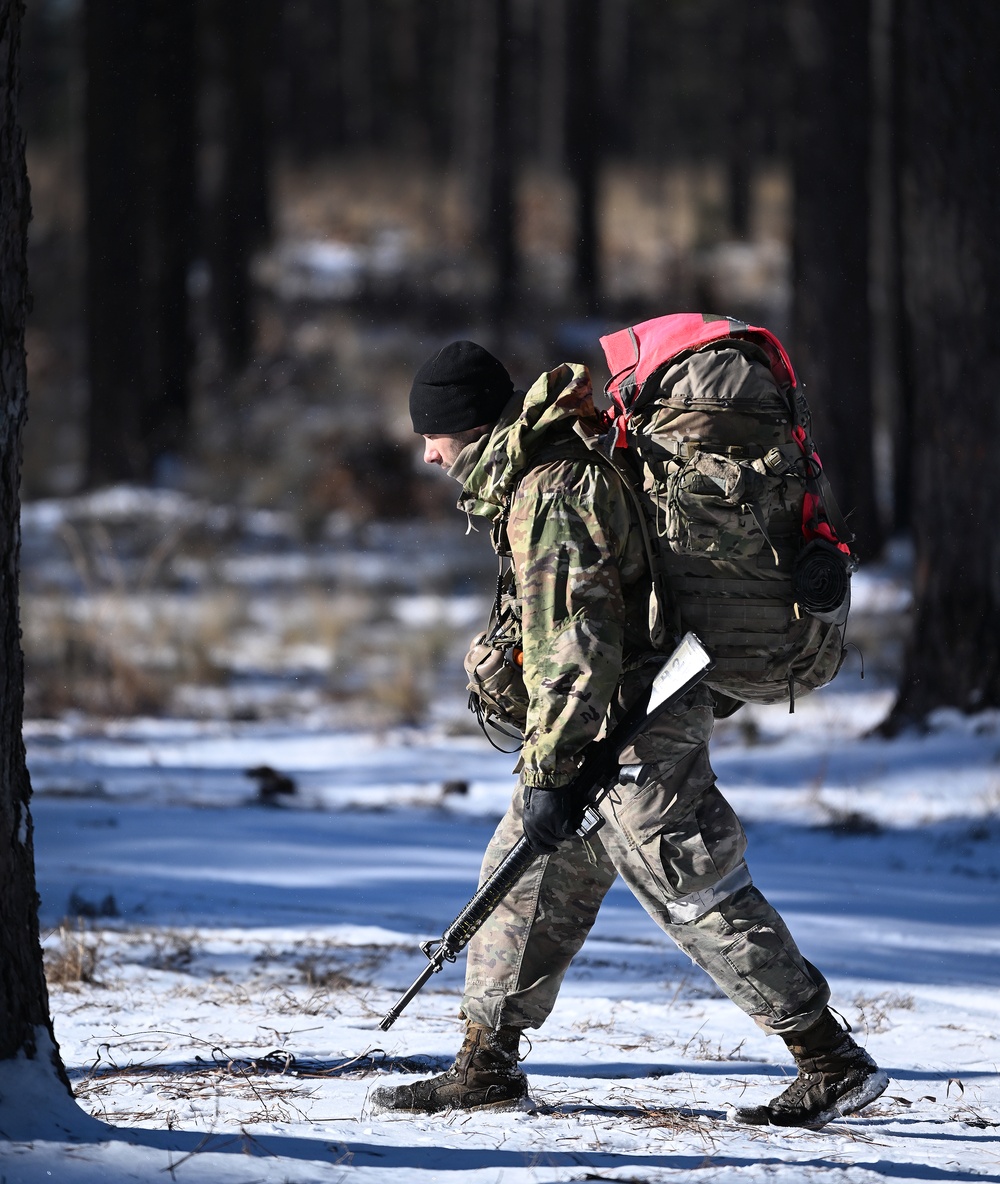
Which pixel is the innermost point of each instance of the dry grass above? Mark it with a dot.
(650, 216)
(874, 1010)
(316, 974)
(116, 653)
(257, 1083)
(403, 670)
(77, 958)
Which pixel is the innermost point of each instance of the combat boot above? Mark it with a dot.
(836, 1077)
(485, 1075)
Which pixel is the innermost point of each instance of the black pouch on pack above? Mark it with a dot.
(821, 582)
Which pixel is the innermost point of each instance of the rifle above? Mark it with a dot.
(685, 667)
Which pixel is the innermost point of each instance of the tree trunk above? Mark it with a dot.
(952, 275)
(357, 71)
(140, 219)
(830, 250)
(552, 83)
(437, 50)
(743, 105)
(24, 1003)
(170, 205)
(115, 446)
(239, 209)
(902, 333)
(485, 143)
(584, 144)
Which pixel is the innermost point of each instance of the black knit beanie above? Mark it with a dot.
(461, 387)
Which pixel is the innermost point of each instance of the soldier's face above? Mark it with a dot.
(443, 450)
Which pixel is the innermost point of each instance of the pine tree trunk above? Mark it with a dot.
(500, 227)
(170, 222)
(830, 251)
(24, 1003)
(140, 180)
(902, 410)
(584, 144)
(239, 213)
(357, 71)
(952, 275)
(552, 82)
(116, 449)
(485, 148)
(741, 153)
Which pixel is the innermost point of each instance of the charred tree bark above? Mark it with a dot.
(952, 277)
(24, 1003)
(830, 249)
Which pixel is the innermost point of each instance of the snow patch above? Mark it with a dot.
(34, 1103)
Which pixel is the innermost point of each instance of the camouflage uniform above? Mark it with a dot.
(582, 587)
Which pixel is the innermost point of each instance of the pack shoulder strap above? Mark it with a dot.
(664, 617)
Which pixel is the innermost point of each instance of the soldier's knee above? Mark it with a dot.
(694, 906)
(756, 959)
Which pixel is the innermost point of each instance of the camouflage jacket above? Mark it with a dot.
(580, 568)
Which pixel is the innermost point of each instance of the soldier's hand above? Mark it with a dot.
(551, 815)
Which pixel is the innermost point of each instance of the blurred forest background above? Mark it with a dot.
(251, 224)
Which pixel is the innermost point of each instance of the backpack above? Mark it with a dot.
(711, 431)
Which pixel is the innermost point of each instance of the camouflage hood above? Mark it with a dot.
(489, 468)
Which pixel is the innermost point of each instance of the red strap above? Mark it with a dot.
(814, 521)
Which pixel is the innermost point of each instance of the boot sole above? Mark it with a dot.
(856, 1099)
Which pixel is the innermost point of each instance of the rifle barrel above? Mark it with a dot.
(600, 764)
(394, 1012)
(458, 934)
(506, 874)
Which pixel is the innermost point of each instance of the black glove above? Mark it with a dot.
(551, 815)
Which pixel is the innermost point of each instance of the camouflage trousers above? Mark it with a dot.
(678, 845)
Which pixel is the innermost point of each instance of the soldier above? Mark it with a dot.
(582, 593)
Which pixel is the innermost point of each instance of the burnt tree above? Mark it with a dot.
(25, 1026)
(831, 324)
(951, 259)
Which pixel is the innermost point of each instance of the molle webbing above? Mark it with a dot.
(747, 620)
(759, 591)
(688, 448)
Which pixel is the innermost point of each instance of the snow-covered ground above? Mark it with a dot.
(235, 959)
